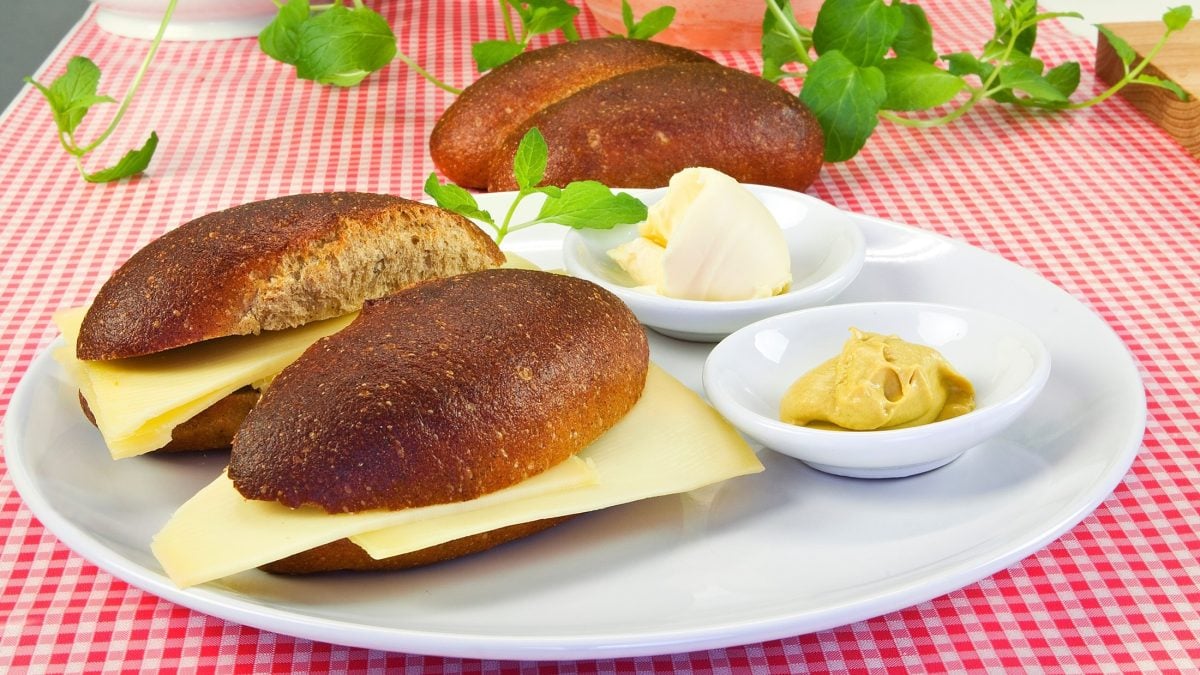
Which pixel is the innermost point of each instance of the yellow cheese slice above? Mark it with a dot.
(218, 532)
(671, 442)
(138, 401)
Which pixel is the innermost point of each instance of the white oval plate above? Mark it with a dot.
(784, 552)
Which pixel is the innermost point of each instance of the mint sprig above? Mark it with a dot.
(652, 23)
(73, 94)
(866, 60)
(585, 204)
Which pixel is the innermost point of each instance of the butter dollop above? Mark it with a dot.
(709, 238)
(878, 382)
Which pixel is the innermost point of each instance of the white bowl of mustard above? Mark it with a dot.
(747, 375)
(825, 247)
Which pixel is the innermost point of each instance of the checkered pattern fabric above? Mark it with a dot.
(1099, 202)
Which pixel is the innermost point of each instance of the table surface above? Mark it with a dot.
(1099, 202)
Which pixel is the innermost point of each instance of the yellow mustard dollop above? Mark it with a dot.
(878, 382)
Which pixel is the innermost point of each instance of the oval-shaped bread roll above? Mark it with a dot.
(275, 264)
(443, 392)
(640, 128)
(468, 134)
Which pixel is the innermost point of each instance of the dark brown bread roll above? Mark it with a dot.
(638, 129)
(468, 134)
(443, 392)
(275, 264)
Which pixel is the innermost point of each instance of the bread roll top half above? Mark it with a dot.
(469, 133)
(444, 392)
(639, 129)
(275, 264)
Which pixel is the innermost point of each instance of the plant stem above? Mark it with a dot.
(137, 80)
(408, 61)
(1129, 76)
(506, 12)
(786, 21)
(512, 208)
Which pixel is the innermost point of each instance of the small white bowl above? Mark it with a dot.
(747, 374)
(826, 247)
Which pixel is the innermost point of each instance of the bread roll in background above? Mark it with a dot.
(443, 392)
(470, 131)
(275, 264)
(639, 129)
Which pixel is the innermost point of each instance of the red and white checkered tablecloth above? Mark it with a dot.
(1099, 202)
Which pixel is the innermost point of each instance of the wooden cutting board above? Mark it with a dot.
(1179, 61)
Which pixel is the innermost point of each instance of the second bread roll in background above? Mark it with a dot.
(628, 127)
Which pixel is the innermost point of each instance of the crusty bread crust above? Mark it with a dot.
(212, 429)
(345, 555)
(443, 392)
(640, 128)
(469, 133)
(275, 264)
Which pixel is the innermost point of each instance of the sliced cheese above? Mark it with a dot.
(138, 401)
(218, 532)
(671, 442)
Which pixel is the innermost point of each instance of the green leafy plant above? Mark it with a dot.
(339, 45)
(866, 60)
(330, 44)
(585, 204)
(73, 94)
(652, 23)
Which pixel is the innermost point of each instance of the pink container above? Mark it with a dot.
(704, 24)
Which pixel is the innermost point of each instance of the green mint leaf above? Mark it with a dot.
(529, 164)
(342, 46)
(547, 16)
(652, 23)
(846, 99)
(133, 163)
(1006, 19)
(73, 93)
(588, 204)
(778, 49)
(913, 84)
(1020, 77)
(966, 63)
(453, 198)
(862, 30)
(551, 191)
(1176, 18)
(1026, 40)
(627, 17)
(1164, 84)
(280, 39)
(491, 53)
(915, 39)
(1064, 77)
(1119, 46)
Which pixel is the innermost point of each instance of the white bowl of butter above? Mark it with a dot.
(748, 374)
(725, 251)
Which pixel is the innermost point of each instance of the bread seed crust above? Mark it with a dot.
(443, 392)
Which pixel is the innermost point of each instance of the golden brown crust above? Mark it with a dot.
(467, 135)
(275, 264)
(443, 392)
(345, 555)
(638, 129)
(212, 429)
